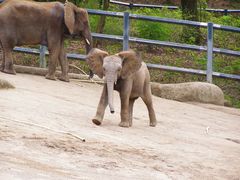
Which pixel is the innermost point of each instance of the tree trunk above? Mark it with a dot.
(101, 22)
(190, 12)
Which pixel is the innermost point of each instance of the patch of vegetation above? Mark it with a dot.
(163, 55)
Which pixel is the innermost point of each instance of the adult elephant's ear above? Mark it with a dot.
(95, 61)
(69, 16)
(131, 62)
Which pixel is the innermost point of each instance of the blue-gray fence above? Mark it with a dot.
(132, 5)
(126, 39)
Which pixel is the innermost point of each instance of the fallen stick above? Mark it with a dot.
(44, 127)
(89, 80)
(73, 66)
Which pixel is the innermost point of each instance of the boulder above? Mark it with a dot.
(191, 91)
(5, 84)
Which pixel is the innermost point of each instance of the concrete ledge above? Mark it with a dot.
(43, 72)
(184, 92)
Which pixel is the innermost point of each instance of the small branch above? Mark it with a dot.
(43, 127)
(91, 80)
(73, 66)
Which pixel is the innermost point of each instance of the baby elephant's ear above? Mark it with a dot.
(131, 62)
(95, 61)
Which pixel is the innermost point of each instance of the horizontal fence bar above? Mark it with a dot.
(143, 41)
(151, 66)
(223, 10)
(192, 71)
(168, 20)
(131, 5)
(176, 69)
(27, 50)
(167, 44)
(226, 28)
(153, 42)
(37, 52)
(163, 20)
(143, 5)
(105, 13)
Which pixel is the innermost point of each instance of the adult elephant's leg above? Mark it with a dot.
(147, 98)
(8, 62)
(52, 62)
(64, 64)
(2, 58)
(101, 107)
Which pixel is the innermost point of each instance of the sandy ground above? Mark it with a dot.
(178, 148)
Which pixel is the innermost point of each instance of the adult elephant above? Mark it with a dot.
(46, 23)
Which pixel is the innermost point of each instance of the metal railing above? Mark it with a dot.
(126, 39)
(132, 5)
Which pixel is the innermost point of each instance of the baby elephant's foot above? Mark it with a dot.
(51, 77)
(124, 124)
(96, 121)
(64, 78)
(153, 124)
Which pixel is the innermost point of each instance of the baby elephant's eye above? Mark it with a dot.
(119, 69)
(104, 69)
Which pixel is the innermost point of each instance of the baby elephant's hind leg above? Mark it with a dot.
(131, 103)
(148, 101)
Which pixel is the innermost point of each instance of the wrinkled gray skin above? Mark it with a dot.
(28, 23)
(126, 73)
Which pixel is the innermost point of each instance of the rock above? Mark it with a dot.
(191, 91)
(5, 84)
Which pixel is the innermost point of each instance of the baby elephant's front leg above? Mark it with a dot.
(124, 112)
(101, 107)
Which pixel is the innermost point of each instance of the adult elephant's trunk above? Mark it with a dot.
(110, 95)
(89, 45)
(88, 39)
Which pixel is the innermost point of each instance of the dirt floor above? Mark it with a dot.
(191, 141)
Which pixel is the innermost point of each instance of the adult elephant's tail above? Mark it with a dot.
(1, 56)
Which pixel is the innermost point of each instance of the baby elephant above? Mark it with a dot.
(126, 73)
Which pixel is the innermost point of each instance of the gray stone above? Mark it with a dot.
(5, 84)
(191, 91)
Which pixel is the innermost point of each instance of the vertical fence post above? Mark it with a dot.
(209, 52)
(225, 12)
(126, 31)
(42, 56)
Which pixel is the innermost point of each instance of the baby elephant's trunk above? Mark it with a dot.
(110, 95)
